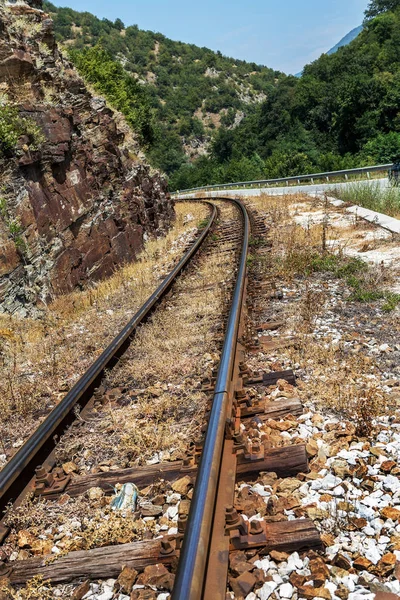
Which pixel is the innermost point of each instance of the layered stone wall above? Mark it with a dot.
(77, 205)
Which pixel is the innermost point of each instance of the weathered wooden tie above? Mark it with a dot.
(270, 379)
(284, 461)
(99, 563)
(287, 461)
(273, 410)
(285, 536)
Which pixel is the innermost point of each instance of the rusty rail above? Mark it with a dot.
(192, 568)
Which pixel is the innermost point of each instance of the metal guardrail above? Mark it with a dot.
(286, 180)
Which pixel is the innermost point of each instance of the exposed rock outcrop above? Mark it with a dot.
(77, 203)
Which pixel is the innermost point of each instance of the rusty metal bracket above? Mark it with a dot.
(189, 462)
(245, 372)
(193, 455)
(240, 392)
(168, 546)
(250, 409)
(246, 401)
(252, 451)
(252, 534)
(49, 482)
(239, 439)
(230, 428)
(234, 521)
(179, 540)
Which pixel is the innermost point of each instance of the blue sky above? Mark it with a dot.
(284, 35)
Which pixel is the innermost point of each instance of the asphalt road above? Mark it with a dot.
(293, 189)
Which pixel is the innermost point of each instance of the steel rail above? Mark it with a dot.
(298, 178)
(190, 577)
(21, 467)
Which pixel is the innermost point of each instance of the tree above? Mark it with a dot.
(377, 7)
(118, 24)
(385, 148)
(223, 145)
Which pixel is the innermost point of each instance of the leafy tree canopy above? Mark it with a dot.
(252, 122)
(376, 7)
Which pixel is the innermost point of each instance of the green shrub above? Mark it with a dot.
(392, 301)
(202, 224)
(341, 267)
(120, 89)
(13, 225)
(362, 292)
(13, 126)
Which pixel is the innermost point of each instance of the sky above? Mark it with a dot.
(281, 34)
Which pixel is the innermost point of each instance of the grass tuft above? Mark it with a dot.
(373, 196)
(203, 224)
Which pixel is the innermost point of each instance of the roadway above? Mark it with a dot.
(292, 189)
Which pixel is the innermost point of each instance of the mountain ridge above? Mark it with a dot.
(347, 39)
(260, 123)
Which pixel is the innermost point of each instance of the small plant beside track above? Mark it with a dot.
(371, 195)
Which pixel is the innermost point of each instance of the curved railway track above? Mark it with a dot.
(36, 452)
(212, 528)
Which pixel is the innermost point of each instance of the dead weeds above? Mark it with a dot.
(163, 408)
(335, 376)
(41, 360)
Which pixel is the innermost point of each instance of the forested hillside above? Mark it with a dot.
(175, 95)
(343, 112)
(216, 119)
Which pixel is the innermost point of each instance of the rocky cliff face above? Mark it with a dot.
(75, 199)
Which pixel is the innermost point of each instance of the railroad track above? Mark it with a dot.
(210, 527)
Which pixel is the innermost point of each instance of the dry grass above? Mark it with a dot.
(26, 27)
(295, 246)
(41, 360)
(312, 305)
(336, 378)
(320, 245)
(80, 523)
(340, 381)
(163, 407)
(371, 195)
(35, 589)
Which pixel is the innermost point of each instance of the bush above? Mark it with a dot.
(385, 148)
(120, 89)
(13, 225)
(13, 126)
